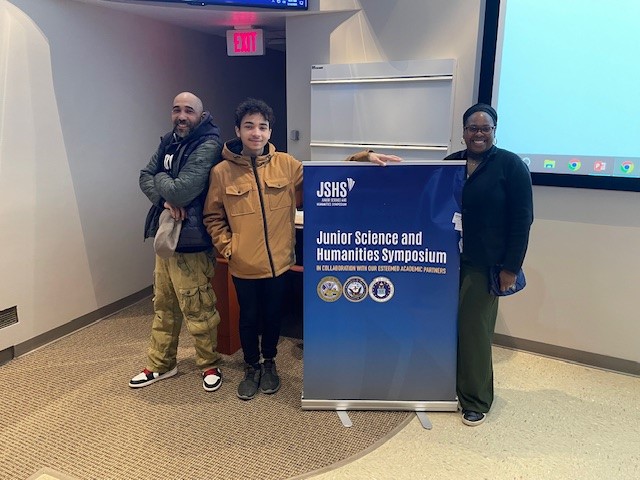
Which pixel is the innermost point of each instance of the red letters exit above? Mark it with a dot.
(245, 42)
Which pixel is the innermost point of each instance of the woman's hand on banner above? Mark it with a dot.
(383, 159)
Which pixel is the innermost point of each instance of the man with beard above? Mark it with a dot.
(176, 179)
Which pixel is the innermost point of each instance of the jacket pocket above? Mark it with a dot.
(278, 192)
(239, 199)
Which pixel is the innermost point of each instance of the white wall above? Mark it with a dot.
(85, 95)
(582, 269)
(360, 31)
(583, 261)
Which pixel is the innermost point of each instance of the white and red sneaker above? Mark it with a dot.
(211, 379)
(147, 377)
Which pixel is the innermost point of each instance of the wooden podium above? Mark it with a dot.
(227, 305)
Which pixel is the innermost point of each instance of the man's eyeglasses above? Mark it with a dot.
(475, 129)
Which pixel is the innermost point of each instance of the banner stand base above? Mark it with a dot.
(406, 405)
(343, 415)
(344, 418)
(424, 420)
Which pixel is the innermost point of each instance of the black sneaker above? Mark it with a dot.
(472, 418)
(270, 381)
(249, 386)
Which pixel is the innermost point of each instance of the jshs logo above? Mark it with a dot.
(335, 189)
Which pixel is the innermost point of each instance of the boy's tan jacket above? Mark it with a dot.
(250, 211)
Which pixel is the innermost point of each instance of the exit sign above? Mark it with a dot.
(246, 41)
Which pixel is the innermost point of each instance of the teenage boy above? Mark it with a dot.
(249, 213)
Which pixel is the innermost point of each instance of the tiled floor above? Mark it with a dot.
(550, 420)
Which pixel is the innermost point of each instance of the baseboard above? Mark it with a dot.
(605, 362)
(78, 323)
(6, 355)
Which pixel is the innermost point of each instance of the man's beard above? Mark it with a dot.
(185, 133)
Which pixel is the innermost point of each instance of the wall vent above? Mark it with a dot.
(8, 317)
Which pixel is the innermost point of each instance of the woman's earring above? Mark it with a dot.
(495, 140)
(462, 140)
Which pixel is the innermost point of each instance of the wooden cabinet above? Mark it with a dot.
(228, 334)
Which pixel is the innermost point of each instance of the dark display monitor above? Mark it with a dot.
(563, 76)
(275, 4)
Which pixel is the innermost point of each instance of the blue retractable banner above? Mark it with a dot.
(381, 273)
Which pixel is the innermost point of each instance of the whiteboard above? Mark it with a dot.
(404, 108)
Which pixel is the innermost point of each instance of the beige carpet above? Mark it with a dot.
(67, 407)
